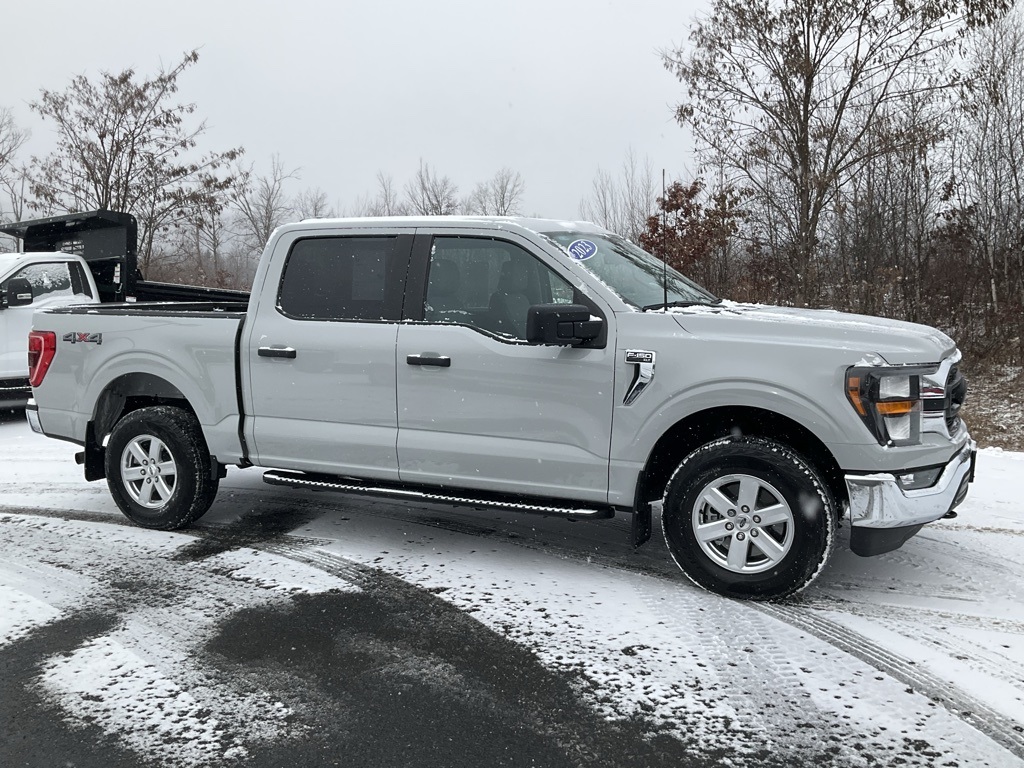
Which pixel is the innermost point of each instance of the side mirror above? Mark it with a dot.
(19, 292)
(563, 325)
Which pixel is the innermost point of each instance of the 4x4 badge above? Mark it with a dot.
(644, 375)
(83, 338)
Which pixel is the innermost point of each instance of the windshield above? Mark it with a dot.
(636, 276)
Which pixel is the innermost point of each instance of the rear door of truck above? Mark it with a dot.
(320, 352)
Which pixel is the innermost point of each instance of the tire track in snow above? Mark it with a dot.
(1004, 731)
(1000, 729)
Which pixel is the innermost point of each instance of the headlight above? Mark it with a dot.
(888, 401)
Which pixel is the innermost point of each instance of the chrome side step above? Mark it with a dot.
(462, 498)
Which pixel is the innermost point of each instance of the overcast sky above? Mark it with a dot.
(341, 90)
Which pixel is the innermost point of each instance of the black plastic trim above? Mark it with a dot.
(244, 462)
(439, 362)
(868, 542)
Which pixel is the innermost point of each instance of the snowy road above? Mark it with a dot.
(321, 629)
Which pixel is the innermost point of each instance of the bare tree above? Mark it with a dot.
(431, 195)
(12, 138)
(501, 195)
(386, 202)
(786, 93)
(123, 145)
(988, 177)
(12, 179)
(623, 204)
(312, 204)
(262, 204)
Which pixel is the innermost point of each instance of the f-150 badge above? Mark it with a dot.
(83, 338)
(644, 375)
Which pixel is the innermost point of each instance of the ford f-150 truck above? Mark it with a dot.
(543, 366)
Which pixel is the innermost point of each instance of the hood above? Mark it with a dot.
(896, 341)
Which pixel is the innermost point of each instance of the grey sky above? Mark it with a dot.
(343, 89)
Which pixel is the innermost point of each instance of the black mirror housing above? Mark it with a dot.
(561, 325)
(19, 293)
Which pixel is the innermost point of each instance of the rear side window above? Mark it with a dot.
(341, 278)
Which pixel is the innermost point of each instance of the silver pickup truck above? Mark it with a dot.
(542, 366)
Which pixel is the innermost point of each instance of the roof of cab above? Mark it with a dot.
(497, 223)
(9, 259)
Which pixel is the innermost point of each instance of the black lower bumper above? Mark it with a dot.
(14, 392)
(868, 542)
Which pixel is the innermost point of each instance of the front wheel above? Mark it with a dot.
(158, 468)
(748, 517)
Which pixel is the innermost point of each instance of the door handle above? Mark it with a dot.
(436, 360)
(275, 351)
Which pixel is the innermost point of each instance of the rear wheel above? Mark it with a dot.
(748, 517)
(158, 468)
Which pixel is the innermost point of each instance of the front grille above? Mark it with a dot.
(956, 393)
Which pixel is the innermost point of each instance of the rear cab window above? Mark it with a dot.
(346, 278)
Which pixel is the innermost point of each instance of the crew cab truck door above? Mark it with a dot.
(481, 408)
(321, 353)
(56, 283)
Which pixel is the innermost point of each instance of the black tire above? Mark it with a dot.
(146, 448)
(769, 548)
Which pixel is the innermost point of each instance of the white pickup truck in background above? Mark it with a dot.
(31, 281)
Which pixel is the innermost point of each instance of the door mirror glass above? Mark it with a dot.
(561, 324)
(18, 292)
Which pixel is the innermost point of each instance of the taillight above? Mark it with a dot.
(42, 346)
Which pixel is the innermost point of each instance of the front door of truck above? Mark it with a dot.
(478, 406)
(321, 355)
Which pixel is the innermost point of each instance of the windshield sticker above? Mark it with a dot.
(581, 250)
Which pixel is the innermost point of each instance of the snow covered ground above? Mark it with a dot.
(913, 658)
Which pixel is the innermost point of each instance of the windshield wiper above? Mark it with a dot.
(671, 304)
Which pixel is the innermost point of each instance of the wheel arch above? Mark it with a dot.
(696, 429)
(130, 392)
(122, 395)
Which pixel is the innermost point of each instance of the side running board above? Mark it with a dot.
(462, 498)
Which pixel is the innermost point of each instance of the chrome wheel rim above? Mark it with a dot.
(148, 471)
(743, 523)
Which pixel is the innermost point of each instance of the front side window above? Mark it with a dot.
(339, 278)
(57, 278)
(636, 276)
(488, 284)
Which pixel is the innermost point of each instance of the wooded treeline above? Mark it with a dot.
(864, 155)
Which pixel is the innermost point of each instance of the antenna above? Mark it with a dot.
(664, 251)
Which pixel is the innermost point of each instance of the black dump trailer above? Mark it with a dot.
(108, 242)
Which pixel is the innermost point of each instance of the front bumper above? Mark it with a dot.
(883, 515)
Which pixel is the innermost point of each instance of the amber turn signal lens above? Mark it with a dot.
(853, 391)
(895, 408)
